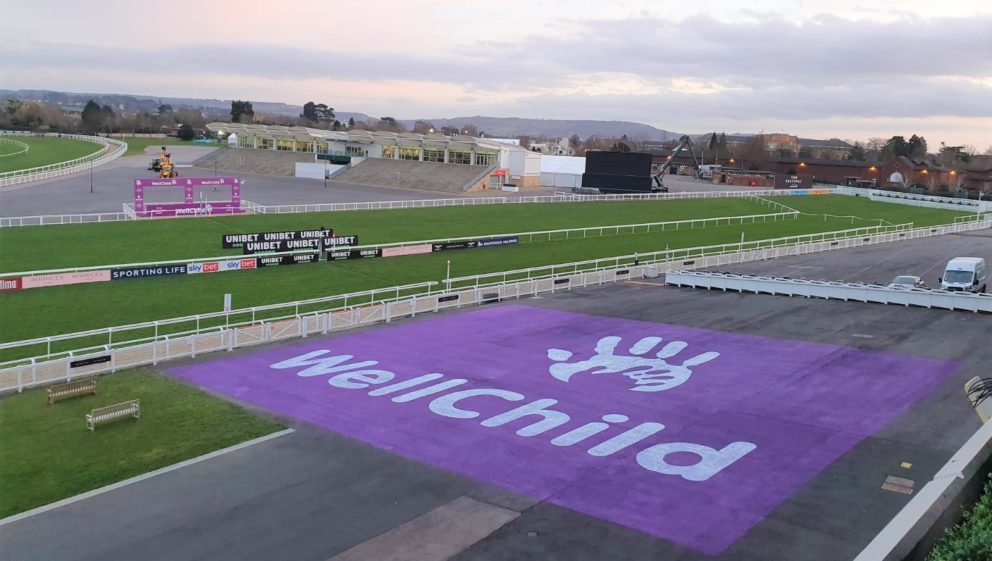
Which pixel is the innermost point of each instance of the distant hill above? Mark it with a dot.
(554, 128)
(492, 126)
(150, 103)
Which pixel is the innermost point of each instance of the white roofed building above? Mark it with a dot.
(350, 147)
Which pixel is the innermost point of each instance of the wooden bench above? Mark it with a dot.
(111, 413)
(71, 389)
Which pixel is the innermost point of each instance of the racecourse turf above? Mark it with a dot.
(65, 309)
(46, 150)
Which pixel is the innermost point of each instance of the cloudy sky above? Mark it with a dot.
(850, 69)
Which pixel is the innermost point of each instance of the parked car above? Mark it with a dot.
(907, 281)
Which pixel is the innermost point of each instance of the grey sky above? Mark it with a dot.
(848, 69)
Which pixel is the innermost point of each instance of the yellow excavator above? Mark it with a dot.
(167, 168)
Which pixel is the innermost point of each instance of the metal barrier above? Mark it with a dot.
(911, 199)
(859, 292)
(111, 149)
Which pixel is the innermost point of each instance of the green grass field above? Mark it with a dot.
(46, 150)
(79, 307)
(47, 454)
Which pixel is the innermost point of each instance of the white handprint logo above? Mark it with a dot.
(650, 373)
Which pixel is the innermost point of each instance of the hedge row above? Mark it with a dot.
(971, 540)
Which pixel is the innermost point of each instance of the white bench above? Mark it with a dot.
(71, 389)
(111, 413)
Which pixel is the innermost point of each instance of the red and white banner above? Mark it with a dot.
(59, 279)
(221, 266)
(407, 250)
(10, 284)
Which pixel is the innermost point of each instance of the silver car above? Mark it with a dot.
(907, 281)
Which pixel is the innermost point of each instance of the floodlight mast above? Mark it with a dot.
(685, 143)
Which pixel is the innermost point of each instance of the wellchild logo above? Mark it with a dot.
(443, 399)
(650, 373)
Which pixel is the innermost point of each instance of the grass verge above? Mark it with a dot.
(47, 454)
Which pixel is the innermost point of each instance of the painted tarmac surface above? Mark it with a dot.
(741, 431)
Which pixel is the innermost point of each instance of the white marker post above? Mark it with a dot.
(227, 309)
(447, 278)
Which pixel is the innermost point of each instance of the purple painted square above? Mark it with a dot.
(746, 420)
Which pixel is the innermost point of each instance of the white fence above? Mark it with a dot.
(22, 147)
(110, 150)
(255, 208)
(483, 201)
(49, 359)
(928, 201)
(52, 219)
(563, 234)
(859, 292)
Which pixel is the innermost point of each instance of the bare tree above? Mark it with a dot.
(956, 182)
(423, 127)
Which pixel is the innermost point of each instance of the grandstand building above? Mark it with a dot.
(510, 164)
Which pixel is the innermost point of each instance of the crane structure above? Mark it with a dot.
(685, 143)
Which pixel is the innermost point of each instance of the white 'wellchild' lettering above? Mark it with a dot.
(539, 413)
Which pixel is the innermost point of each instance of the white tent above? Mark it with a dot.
(562, 171)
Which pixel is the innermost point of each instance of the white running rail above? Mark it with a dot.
(255, 208)
(110, 149)
(24, 148)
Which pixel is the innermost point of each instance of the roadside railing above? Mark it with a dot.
(65, 357)
(110, 150)
(846, 291)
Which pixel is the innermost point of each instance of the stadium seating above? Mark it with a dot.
(428, 176)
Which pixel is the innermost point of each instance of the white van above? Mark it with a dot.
(965, 273)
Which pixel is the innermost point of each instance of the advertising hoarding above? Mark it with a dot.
(60, 279)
